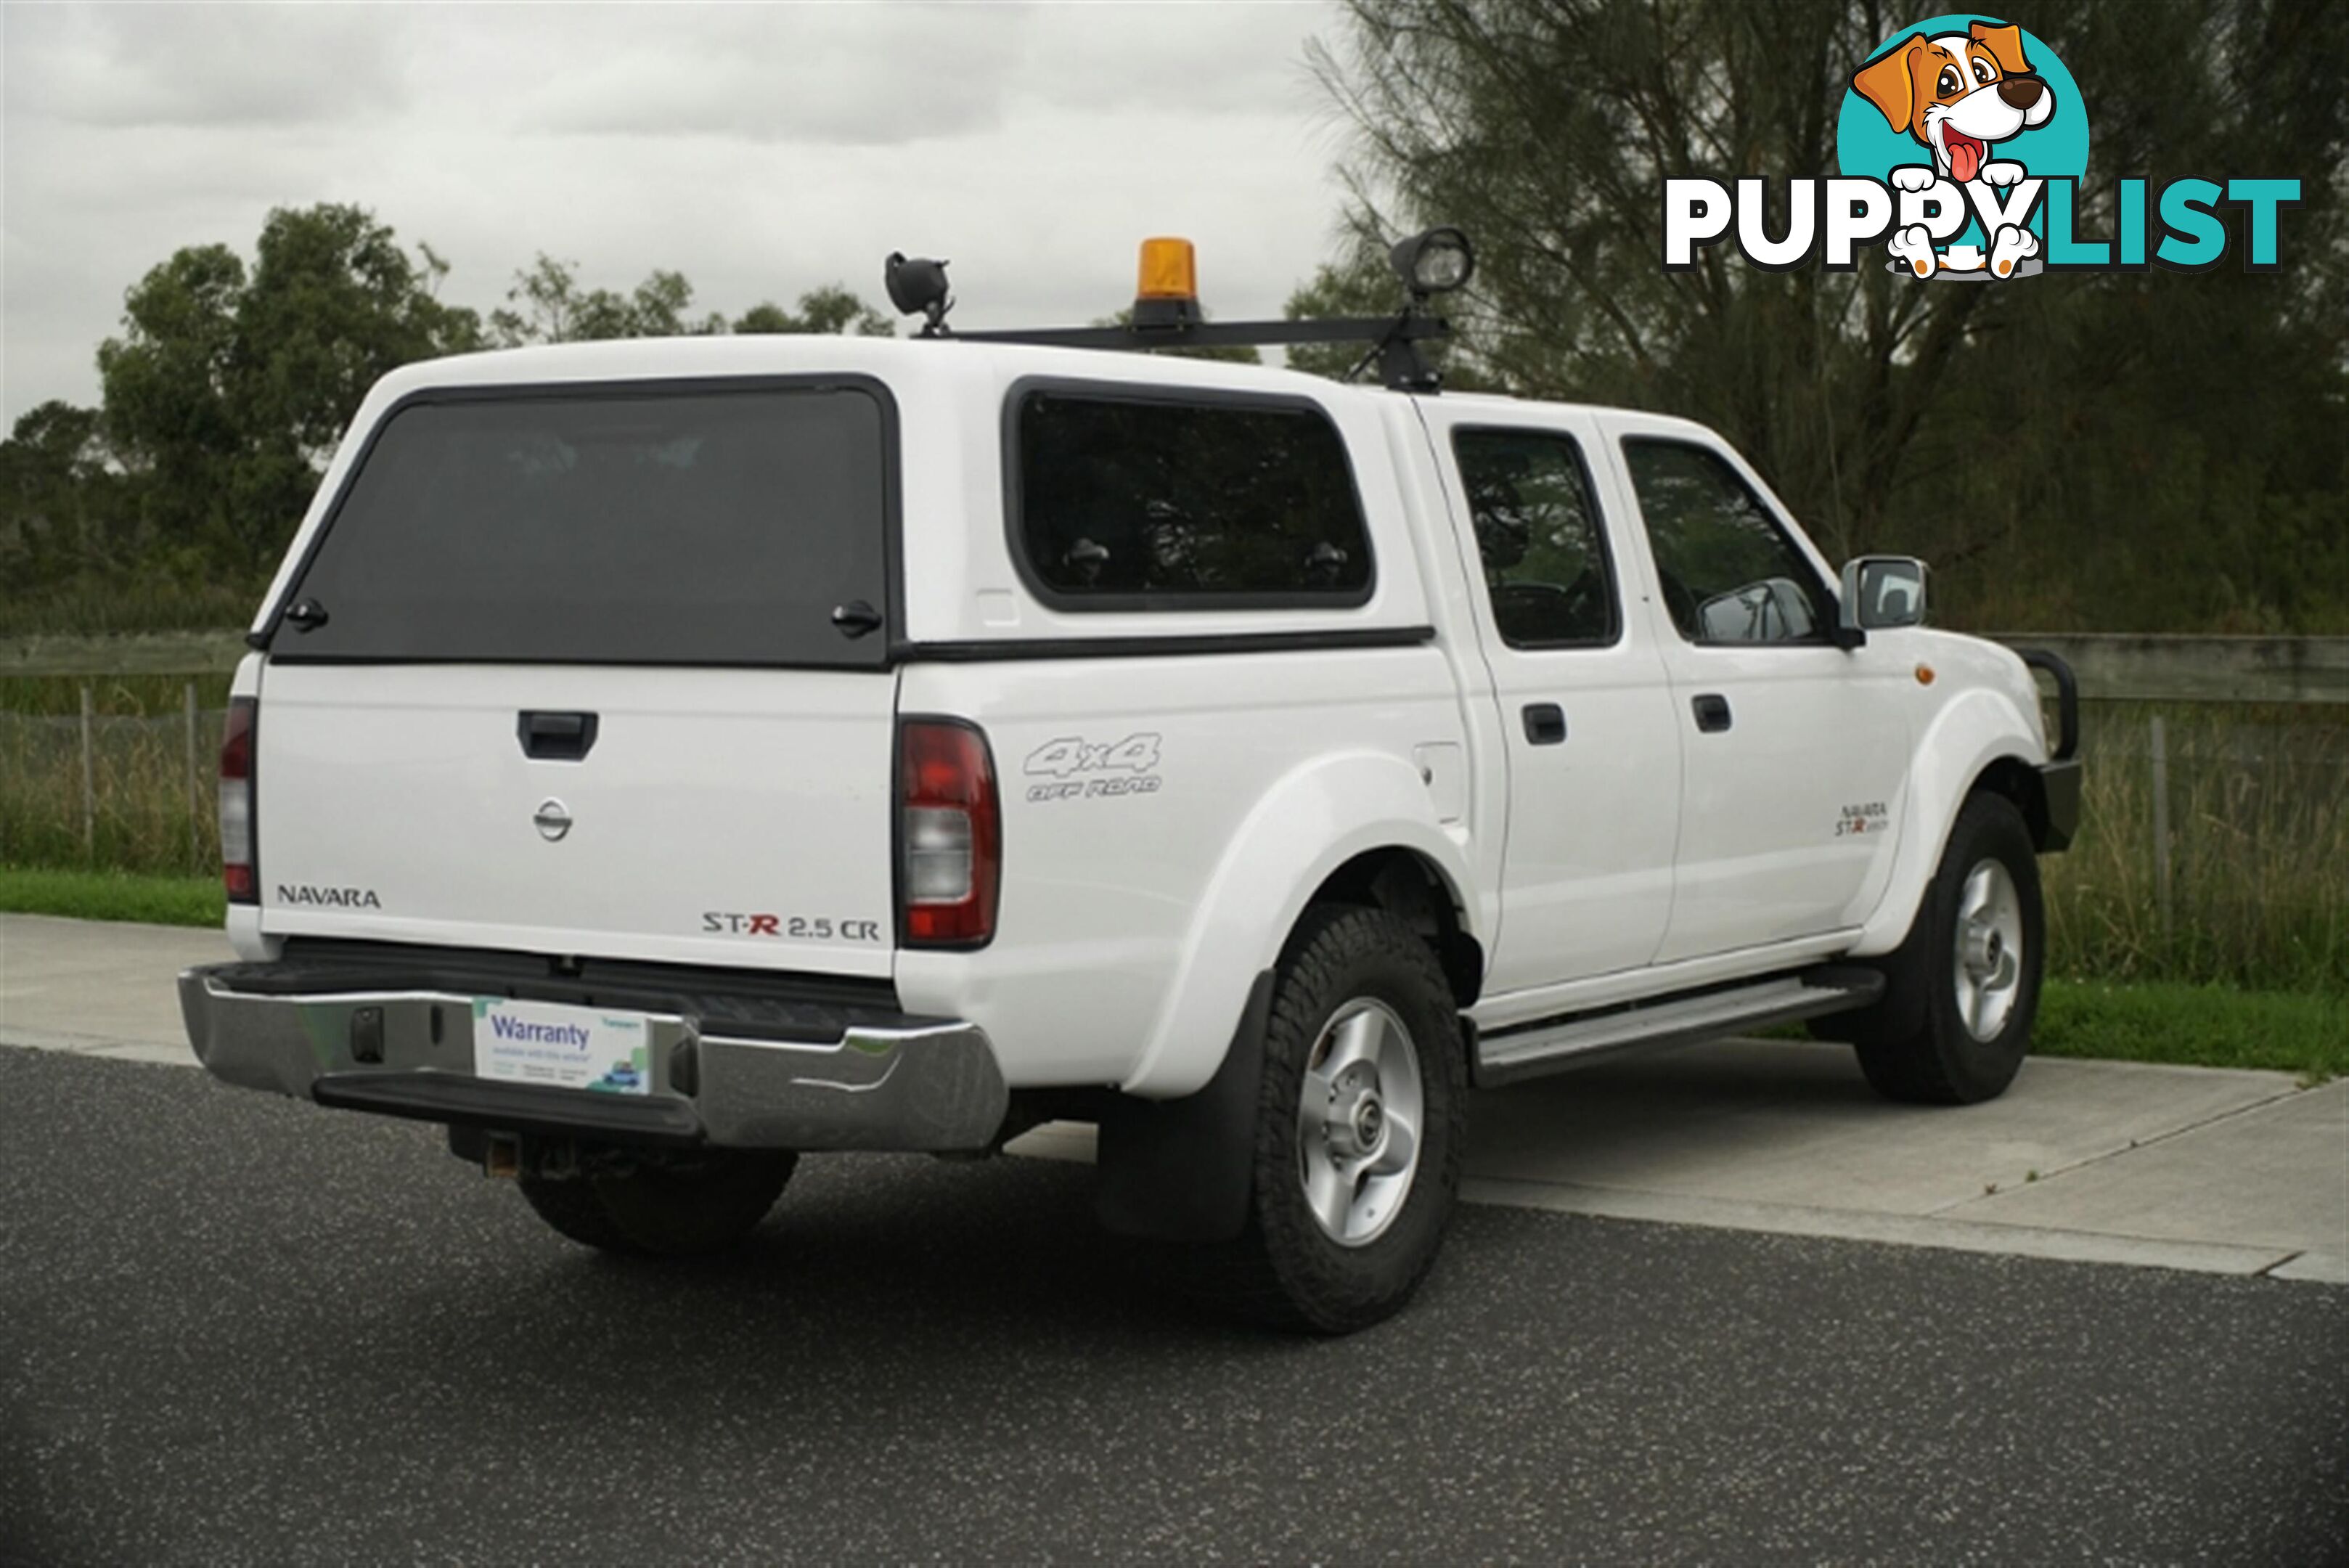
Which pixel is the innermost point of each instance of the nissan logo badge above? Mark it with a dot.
(553, 819)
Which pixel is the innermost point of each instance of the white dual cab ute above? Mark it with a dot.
(658, 760)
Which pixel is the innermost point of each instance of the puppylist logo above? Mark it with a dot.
(1963, 141)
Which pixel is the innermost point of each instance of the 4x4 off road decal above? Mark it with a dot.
(1083, 769)
(1962, 142)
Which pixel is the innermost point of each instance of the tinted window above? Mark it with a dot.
(1728, 572)
(1537, 530)
(666, 528)
(1126, 503)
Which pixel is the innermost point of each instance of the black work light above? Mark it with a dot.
(917, 286)
(1435, 262)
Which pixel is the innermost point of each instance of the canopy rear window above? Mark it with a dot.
(1124, 500)
(648, 528)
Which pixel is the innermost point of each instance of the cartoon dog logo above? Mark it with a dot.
(1958, 95)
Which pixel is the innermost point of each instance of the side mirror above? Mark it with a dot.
(1882, 591)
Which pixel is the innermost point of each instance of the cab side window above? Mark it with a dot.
(1728, 571)
(1546, 571)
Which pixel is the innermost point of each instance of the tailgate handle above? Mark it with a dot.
(556, 737)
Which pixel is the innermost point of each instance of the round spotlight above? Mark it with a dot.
(916, 285)
(1436, 262)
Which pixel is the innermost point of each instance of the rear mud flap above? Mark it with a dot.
(1181, 1171)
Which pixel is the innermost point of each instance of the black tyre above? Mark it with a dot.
(1360, 1124)
(672, 1209)
(1963, 989)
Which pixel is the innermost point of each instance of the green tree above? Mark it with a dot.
(546, 305)
(1361, 284)
(2149, 450)
(227, 389)
(829, 310)
(63, 504)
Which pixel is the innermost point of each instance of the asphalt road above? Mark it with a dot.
(234, 1328)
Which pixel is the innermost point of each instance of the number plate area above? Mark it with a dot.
(560, 1047)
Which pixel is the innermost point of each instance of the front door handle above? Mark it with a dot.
(555, 737)
(1711, 713)
(1544, 723)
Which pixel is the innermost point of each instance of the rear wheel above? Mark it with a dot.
(1963, 989)
(671, 1208)
(1359, 1130)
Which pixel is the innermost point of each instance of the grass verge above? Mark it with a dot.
(2195, 1026)
(112, 896)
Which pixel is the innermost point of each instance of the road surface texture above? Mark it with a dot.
(234, 1328)
(2114, 1162)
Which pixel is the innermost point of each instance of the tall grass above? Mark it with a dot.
(2259, 846)
(146, 818)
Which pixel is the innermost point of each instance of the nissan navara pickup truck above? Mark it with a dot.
(660, 760)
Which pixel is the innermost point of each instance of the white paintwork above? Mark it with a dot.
(1635, 858)
(1587, 870)
(1814, 729)
(708, 792)
(1982, 706)
(1131, 927)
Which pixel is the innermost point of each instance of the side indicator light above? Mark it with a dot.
(1924, 675)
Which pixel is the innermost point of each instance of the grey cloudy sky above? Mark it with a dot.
(760, 149)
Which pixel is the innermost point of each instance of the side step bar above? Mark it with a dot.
(1575, 1039)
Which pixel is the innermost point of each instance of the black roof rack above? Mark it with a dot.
(1394, 340)
(1435, 262)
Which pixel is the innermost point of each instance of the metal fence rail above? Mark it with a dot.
(2161, 668)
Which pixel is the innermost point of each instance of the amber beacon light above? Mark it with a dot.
(1166, 285)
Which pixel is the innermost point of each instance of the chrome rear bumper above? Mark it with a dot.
(914, 1083)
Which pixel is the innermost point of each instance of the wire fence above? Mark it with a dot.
(129, 791)
(2214, 842)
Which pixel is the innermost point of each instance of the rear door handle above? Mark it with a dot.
(1544, 723)
(1711, 713)
(555, 737)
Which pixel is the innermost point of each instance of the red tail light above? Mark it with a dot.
(950, 835)
(239, 870)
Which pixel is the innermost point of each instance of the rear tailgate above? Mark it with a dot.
(573, 685)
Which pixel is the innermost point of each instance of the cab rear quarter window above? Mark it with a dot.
(1548, 574)
(1144, 499)
(644, 524)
